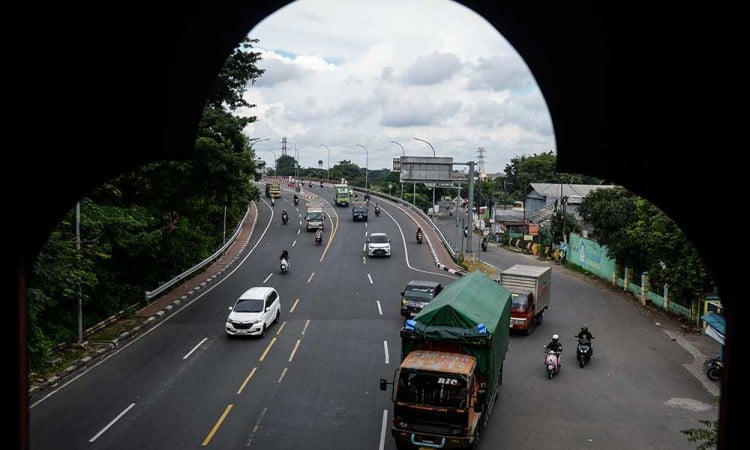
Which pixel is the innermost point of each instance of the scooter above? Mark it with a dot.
(284, 265)
(296, 200)
(584, 352)
(318, 239)
(484, 245)
(419, 238)
(377, 211)
(714, 368)
(284, 218)
(552, 362)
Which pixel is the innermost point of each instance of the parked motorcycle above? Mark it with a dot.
(284, 266)
(552, 362)
(584, 352)
(714, 368)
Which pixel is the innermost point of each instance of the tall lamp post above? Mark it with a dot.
(404, 151)
(367, 161)
(433, 186)
(328, 173)
(296, 164)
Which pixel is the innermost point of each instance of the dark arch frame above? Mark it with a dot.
(125, 87)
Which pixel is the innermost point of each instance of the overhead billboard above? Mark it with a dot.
(426, 169)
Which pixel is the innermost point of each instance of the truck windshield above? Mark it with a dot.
(432, 389)
(519, 301)
(419, 293)
(315, 217)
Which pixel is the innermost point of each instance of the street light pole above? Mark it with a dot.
(433, 186)
(404, 151)
(367, 162)
(296, 164)
(328, 173)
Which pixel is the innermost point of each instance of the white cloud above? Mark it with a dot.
(361, 72)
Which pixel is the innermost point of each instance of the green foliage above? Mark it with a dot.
(562, 224)
(640, 236)
(707, 436)
(285, 165)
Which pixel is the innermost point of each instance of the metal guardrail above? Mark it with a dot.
(437, 230)
(163, 287)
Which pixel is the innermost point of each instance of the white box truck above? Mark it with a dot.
(530, 289)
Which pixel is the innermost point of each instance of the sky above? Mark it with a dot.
(352, 74)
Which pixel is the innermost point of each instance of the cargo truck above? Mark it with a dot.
(530, 288)
(451, 368)
(341, 195)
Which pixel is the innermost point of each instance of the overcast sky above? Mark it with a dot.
(343, 73)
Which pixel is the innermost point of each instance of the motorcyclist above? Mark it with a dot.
(296, 199)
(272, 202)
(484, 243)
(284, 216)
(556, 346)
(419, 233)
(585, 333)
(377, 210)
(285, 255)
(318, 235)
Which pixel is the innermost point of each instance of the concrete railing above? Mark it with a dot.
(427, 218)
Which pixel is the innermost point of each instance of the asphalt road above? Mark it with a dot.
(312, 382)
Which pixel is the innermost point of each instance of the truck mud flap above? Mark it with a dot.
(427, 444)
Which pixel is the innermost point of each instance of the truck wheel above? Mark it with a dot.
(538, 318)
(530, 328)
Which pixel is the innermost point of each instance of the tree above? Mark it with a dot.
(285, 166)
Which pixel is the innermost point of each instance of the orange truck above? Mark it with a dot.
(530, 289)
(452, 355)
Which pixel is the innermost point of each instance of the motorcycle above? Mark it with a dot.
(284, 265)
(419, 238)
(484, 245)
(296, 201)
(318, 239)
(584, 351)
(273, 203)
(377, 211)
(284, 218)
(714, 368)
(552, 362)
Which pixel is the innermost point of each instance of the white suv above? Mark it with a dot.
(378, 244)
(255, 311)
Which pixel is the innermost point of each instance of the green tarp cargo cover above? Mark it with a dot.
(472, 312)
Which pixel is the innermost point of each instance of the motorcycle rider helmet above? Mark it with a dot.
(555, 338)
(584, 327)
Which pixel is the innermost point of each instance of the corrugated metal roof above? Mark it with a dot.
(575, 192)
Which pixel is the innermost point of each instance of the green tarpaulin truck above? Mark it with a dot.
(451, 369)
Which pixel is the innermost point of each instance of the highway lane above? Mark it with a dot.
(312, 382)
(171, 387)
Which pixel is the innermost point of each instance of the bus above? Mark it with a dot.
(341, 195)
